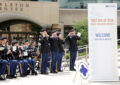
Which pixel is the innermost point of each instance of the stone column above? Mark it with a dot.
(62, 29)
(27, 30)
(59, 27)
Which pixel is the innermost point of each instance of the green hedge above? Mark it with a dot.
(67, 56)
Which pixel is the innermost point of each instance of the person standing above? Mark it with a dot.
(60, 51)
(45, 50)
(72, 40)
(54, 51)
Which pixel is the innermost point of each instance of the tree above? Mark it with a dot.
(35, 28)
(82, 27)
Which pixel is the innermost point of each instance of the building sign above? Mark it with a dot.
(13, 6)
(103, 61)
(36, 12)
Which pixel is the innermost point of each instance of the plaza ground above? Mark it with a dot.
(65, 78)
(62, 78)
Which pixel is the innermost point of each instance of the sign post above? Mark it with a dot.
(102, 21)
(82, 72)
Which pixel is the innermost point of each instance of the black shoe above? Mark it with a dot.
(25, 74)
(55, 72)
(72, 69)
(38, 68)
(60, 70)
(51, 72)
(22, 75)
(34, 72)
(2, 79)
(9, 77)
(28, 72)
(13, 76)
(46, 73)
(42, 73)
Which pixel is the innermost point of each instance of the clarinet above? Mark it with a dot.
(20, 52)
(10, 48)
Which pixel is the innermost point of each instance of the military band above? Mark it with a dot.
(23, 55)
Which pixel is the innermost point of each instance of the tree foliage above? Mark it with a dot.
(82, 27)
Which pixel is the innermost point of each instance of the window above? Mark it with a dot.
(73, 0)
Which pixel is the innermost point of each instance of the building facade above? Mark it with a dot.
(70, 12)
(17, 18)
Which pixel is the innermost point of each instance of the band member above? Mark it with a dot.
(12, 62)
(54, 51)
(24, 57)
(45, 50)
(17, 53)
(60, 51)
(7, 54)
(3, 58)
(34, 50)
(72, 39)
(28, 56)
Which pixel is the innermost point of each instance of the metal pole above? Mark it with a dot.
(86, 54)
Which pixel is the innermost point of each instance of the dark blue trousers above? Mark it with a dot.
(54, 61)
(21, 66)
(44, 62)
(73, 55)
(3, 64)
(25, 66)
(59, 61)
(32, 62)
(13, 66)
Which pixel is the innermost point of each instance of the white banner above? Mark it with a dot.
(102, 19)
